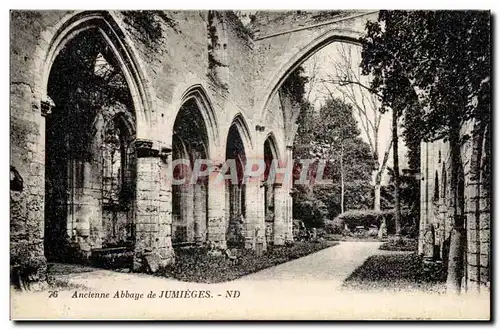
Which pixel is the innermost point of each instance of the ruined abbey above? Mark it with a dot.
(103, 104)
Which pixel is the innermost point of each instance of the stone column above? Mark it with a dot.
(151, 247)
(286, 190)
(164, 237)
(255, 226)
(187, 210)
(216, 208)
(85, 222)
(200, 214)
(280, 196)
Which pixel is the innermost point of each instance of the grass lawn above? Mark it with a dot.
(193, 265)
(395, 272)
(54, 270)
(405, 244)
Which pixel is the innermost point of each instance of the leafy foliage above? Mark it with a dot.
(369, 217)
(434, 67)
(431, 66)
(404, 244)
(332, 135)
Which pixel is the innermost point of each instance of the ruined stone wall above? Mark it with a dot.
(27, 127)
(170, 50)
(435, 160)
(233, 69)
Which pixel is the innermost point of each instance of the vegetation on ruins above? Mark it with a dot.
(433, 69)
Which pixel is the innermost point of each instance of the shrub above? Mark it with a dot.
(310, 210)
(400, 245)
(368, 218)
(333, 227)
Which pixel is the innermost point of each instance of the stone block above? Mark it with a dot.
(484, 220)
(484, 274)
(484, 235)
(484, 260)
(473, 272)
(485, 248)
(473, 259)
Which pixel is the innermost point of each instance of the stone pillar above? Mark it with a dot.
(85, 223)
(216, 208)
(280, 196)
(200, 215)
(164, 237)
(27, 196)
(187, 210)
(286, 190)
(255, 226)
(150, 230)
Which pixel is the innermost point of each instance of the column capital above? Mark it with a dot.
(144, 148)
(46, 106)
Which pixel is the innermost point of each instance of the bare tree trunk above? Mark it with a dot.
(342, 177)
(397, 201)
(378, 179)
(376, 190)
(458, 237)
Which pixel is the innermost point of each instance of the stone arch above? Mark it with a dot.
(241, 125)
(98, 160)
(277, 79)
(107, 25)
(194, 133)
(239, 147)
(199, 96)
(273, 145)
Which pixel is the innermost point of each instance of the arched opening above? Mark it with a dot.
(189, 199)
(329, 116)
(270, 155)
(90, 166)
(235, 190)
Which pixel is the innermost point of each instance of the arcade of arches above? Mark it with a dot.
(104, 103)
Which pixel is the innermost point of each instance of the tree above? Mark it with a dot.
(334, 139)
(332, 135)
(434, 65)
(348, 81)
(334, 130)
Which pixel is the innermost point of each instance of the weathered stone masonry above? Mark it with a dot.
(436, 210)
(165, 63)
